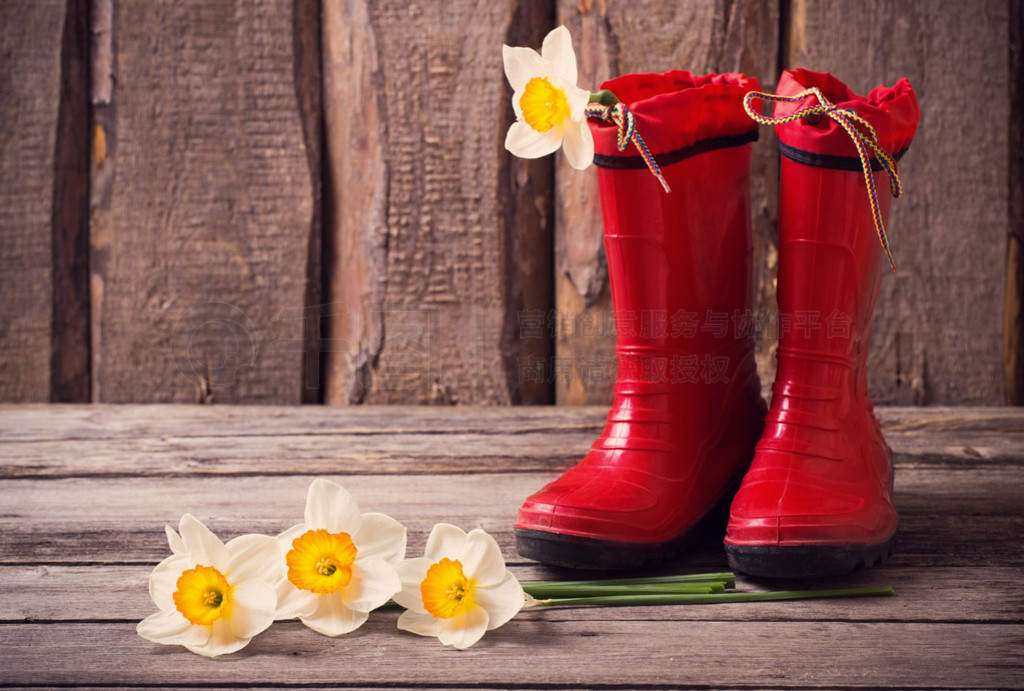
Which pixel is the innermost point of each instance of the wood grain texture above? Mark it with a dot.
(970, 517)
(615, 38)
(534, 651)
(70, 360)
(308, 76)
(76, 548)
(526, 194)
(1013, 311)
(356, 182)
(204, 204)
(30, 42)
(938, 324)
(431, 226)
(163, 441)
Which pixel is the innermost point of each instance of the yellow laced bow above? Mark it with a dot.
(860, 131)
(620, 115)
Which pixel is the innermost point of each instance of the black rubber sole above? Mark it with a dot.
(576, 552)
(806, 561)
(589, 553)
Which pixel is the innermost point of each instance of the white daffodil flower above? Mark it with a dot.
(548, 104)
(213, 598)
(339, 564)
(459, 590)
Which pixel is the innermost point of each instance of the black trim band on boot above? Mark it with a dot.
(675, 156)
(852, 163)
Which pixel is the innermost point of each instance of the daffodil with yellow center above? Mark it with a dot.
(203, 595)
(543, 105)
(459, 589)
(549, 107)
(445, 590)
(321, 562)
(213, 598)
(339, 564)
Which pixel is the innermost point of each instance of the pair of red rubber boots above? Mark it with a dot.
(688, 425)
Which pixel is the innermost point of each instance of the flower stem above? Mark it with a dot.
(556, 590)
(726, 577)
(604, 97)
(710, 598)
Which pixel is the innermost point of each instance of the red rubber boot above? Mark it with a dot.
(687, 410)
(817, 499)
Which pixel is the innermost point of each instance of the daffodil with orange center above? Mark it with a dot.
(549, 107)
(459, 589)
(213, 598)
(339, 564)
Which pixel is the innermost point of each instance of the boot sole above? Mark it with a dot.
(806, 561)
(576, 552)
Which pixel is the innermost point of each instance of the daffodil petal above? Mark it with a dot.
(445, 540)
(419, 623)
(579, 145)
(411, 573)
(374, 582)
(292, 602)
(577, 100)
(522, 65)
(170, 628)
(380, 536)
(330, 507)
(285, 539)
(557, 50)
(332, 617)
(526, 142)
(502, 601)
(221, 642)
(253, 557)
(163, 581)
(174, 540)
(481, 559)
(253, 604)
(464, 629)
(203, 546)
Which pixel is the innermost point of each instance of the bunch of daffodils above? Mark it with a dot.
(330, 572)
(339, 564)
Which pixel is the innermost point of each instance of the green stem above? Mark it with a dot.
(604, 97)
(710, 598)
(726, 577)
(556, 590)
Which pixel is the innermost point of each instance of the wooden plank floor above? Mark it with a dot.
(86, 490)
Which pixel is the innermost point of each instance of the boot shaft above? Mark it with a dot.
(831, 258)
(679, 263)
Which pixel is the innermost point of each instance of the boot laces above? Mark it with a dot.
(620, 115)
(860, 131)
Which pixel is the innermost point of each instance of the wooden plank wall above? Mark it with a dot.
(308, 200)
(203, 205)
(438, 241)
(30, 43)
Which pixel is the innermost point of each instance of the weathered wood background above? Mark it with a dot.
(300, 201)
